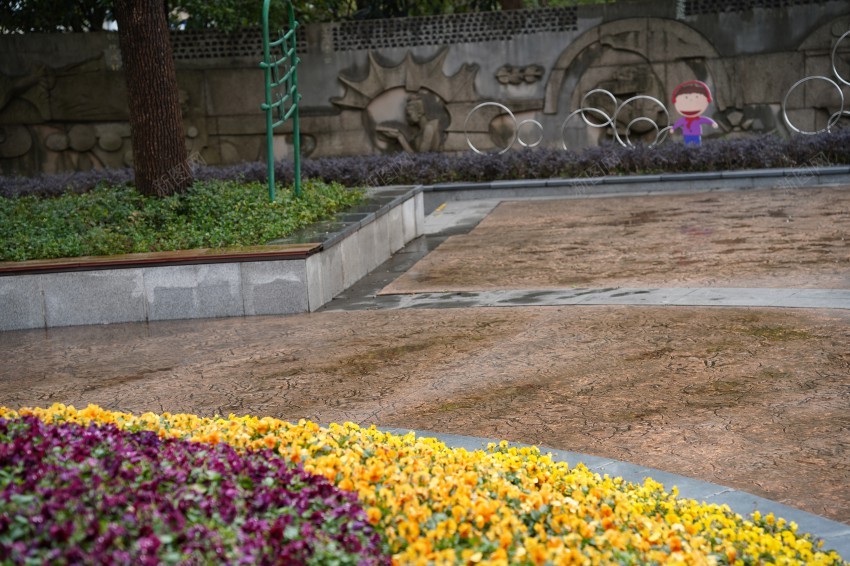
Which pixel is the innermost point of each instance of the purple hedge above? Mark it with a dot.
(96, 495)
(430, 168)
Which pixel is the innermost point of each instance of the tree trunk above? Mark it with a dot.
(511, 4)
(156, 125)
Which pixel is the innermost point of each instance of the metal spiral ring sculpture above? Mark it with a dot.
(661, 133)
(833, 118)
(482, 105)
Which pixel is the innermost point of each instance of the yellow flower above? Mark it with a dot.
(408, 530)
(504, 505)
(374, 515)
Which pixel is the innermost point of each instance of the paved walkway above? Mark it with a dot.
(827, 229)
(744, 239)
(752, 396)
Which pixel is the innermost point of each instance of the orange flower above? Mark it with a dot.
(505, 539)
(408, 530)
(374, 515)
(375, 473)
(675, 543)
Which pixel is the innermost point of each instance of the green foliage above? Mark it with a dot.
(54, 15)
(90, 15)
(223, 14)
(528, 4)
(231, 15)
(117, 220)
(374, 9)
(235, 14)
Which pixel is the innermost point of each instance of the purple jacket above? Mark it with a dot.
(692, 129)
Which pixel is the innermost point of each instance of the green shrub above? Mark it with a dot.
(116, 220)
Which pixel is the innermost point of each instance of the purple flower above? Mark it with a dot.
(539, 163)
(77, 494)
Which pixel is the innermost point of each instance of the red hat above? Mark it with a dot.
(698, 87)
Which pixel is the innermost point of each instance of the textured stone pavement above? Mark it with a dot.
(765, 238)
(754, 398)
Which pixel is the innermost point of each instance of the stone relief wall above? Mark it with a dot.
(410, 84)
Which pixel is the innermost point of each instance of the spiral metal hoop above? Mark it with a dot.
(610, 120)
(834, 53)
(580, 112)
(539, 139)
(662, 136)
(833, 119)
(658, 129)
(661, 133)
(509, 113)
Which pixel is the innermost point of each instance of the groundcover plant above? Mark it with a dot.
(110, 220)
(432, 504)
(767, 151)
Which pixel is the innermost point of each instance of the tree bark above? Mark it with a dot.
(156, 124)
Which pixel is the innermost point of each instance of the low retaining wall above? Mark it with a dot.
(294, 275)
(307, 270)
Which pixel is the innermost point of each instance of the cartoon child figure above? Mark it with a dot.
(691, 99)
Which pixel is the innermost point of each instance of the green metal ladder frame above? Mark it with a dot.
(273, 83)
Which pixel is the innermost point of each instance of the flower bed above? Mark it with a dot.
(99, 495)
(499, 506)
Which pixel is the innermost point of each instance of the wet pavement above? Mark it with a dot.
(753, 394)
(751, 239)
